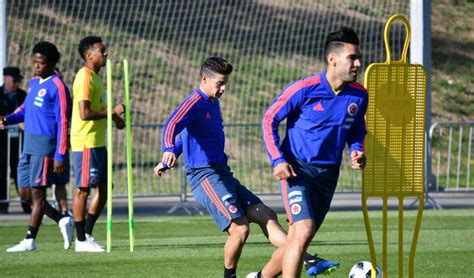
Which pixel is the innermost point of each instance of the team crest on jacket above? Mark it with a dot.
(42, 93)
(352, 109)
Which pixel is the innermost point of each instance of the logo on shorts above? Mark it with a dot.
(296, 200)
(227, 199)
(295, 209)
(352, 109)
(93, 176)
(38, 180)
(295, 193)
(233, 208)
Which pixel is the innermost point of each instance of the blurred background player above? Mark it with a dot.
(88, 138)
(45, 114)
(324, 112)
(11, 97)
(199, 126)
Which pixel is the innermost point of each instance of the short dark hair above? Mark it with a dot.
(87, 43)
(336, 39)
(49, 50)
(214, 65)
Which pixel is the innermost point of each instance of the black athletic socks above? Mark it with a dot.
(230, 272)
(81, 235)
(90, 222)
(52, 212)
(31, 233)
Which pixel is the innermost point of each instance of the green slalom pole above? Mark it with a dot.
(109, 155)
(131, 221)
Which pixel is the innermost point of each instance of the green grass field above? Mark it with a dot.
(192, 247)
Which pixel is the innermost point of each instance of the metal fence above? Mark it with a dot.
(244, 147)
(14, 138)
(449, 156)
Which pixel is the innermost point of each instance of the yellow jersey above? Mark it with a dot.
(88, 134)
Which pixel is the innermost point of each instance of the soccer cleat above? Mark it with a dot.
(24, 245)
(315, 266)
(67, 213)
(66, 225)
(87, 246)
(93, 241)
(254, 275)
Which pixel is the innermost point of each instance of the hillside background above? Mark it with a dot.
(453, 60)
(270, 43)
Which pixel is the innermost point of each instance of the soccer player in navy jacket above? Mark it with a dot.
(196, 129)
(324, 112)
(46, 113)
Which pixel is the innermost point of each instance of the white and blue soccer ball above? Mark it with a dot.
(363, 269)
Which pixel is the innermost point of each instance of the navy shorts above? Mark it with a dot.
(216, 189)
(309, 194)
(35, 171)
(90, 167)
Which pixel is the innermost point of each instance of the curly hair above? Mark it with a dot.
(49, 50)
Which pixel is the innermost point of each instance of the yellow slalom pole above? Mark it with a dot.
(131, 222)
(109, 155)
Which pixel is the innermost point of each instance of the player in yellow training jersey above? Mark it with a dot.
(88, 128)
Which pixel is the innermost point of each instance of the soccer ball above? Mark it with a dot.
(364, 270)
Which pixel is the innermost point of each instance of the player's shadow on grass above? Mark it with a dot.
(175, 246)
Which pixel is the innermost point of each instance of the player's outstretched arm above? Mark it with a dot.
(87, 114)
(16, 117)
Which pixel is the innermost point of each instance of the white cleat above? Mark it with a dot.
(66, 225)
(93, 241)
(24, 245)
(86, 246)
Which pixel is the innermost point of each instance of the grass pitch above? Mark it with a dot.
(192, 246)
